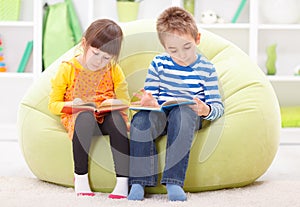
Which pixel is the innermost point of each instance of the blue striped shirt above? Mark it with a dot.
(166, 80)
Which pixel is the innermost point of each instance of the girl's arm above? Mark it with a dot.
(120, 84)
(59, 84)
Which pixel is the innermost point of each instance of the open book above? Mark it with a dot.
(166, 105)
(105, 107)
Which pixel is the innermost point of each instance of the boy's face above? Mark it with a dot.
(181, 48)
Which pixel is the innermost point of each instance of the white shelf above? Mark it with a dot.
(279, 26)
(16, 75)
(250, 33)
(8, 132)
(15, 35)
(225, 26)
(278, 78)
(16, 24)
(290, 135)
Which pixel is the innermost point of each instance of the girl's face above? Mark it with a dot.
(181, 48)
(96, 59)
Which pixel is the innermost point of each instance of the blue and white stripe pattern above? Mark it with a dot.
(166, 80)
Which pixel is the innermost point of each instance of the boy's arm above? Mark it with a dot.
(212, 97)
(152, 80)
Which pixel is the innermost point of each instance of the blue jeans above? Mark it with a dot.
(179, 123)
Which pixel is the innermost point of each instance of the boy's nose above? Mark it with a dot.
(182, 55)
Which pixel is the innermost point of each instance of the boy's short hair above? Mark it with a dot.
(176, 20)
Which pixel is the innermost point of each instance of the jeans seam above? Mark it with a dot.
(186, 157)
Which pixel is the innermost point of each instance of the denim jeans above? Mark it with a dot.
(179, 123)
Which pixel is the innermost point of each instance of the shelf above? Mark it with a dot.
(16, 75)
(290, 135)
(250, 33)
(278, 78)
(16, 24)
(279, 26)
(8, 132)
(225, 26)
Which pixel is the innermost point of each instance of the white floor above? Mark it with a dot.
(286, 164)
(12, 162)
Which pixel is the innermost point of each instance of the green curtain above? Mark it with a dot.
(61, 30)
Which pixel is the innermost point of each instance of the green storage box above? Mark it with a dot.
(9, 10)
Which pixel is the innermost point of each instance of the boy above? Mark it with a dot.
(179, 73)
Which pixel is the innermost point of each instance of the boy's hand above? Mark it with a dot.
(146, 99)
(201, 108)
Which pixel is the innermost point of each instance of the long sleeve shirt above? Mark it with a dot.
(166, 80)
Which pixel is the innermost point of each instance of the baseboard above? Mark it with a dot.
(8, 132)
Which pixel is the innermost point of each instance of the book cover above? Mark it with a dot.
(166, 105)
(25, 57)
(105, 107)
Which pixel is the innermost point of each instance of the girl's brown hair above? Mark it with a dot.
(105, 35)
(176, 20)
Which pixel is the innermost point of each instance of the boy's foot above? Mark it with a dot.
(175, 193)
(82, 186)
(136, 192)
(121, 189)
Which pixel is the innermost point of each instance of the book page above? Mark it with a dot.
(88, 104)
(112, 102)
(165, 105)
(149, 108)
(178, 101)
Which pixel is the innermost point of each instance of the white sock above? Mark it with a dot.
(121, 188)
(81, 185)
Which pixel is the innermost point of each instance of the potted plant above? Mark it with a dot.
(128, 10)
(189, 5)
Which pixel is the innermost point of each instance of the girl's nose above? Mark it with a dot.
(99, 59)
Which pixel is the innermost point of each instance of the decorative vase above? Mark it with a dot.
(271, 59)
(127, 11)
(189, 5)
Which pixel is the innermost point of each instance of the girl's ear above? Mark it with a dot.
(83, 42)
(198, 38)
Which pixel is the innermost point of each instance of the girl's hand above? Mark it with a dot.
(201, 108)
(76, 101)
(146, 99)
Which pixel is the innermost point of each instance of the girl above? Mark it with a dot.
(94, 76)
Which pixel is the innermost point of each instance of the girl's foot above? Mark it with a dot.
(136, 192)
(82, 186)
(175, 193)
(121, 188)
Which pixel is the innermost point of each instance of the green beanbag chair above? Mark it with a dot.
(232, 151)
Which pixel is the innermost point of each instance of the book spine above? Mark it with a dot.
(238, 11)
(2, 63)
(25, 57)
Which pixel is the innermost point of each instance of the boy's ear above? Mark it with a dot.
(198, 38)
